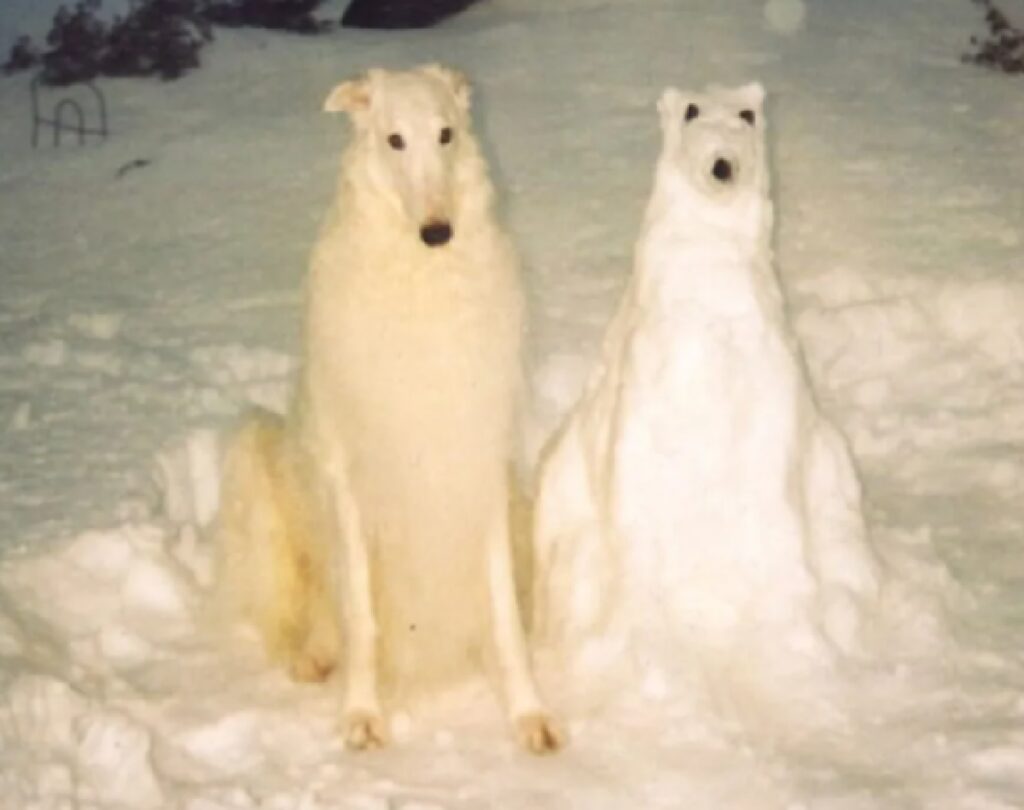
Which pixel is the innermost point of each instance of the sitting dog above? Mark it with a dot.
(370, 526)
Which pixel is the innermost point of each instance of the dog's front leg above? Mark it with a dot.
(534, 727)
(362, 719)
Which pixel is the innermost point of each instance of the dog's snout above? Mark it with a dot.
(722, 170)
(436, 233)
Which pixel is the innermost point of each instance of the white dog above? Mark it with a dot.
(696, 493)
(381, 501)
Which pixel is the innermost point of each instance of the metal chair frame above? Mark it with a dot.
(73, 109)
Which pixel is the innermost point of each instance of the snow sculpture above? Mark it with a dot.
(696, 495)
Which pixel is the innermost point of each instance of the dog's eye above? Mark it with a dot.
(748, 116)
(692, 111)
(446, 135)
(396, 141)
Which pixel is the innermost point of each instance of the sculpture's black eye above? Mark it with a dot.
(446, 136)
(396, 141)
(692, 111)
(748, 116)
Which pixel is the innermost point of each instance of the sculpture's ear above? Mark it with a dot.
(670, 105)
(351, 97)
(455, 80)
(677, 108)
(751, 96)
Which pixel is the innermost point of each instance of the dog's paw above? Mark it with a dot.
(309, 668)
(538, 733)
(364, 730)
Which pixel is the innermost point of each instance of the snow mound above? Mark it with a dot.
(87, 620)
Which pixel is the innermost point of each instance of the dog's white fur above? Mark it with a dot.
(696, 484)
(380, 503)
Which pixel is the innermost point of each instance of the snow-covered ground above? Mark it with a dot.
(135, 309)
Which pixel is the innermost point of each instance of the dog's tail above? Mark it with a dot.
(273, 567)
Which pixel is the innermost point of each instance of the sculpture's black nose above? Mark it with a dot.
(722, 170)
(436, 233)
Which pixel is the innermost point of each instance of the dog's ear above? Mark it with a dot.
(456, 82)
(351, 97)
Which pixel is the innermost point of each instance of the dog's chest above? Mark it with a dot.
(438, 336)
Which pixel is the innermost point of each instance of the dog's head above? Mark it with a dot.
(714, 142)
(410, 124)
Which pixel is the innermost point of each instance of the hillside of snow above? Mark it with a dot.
(151, 287)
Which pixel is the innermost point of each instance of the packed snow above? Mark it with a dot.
(696, 496)
(141, 312)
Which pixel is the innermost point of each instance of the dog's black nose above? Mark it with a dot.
(436, 233)
(722, 170)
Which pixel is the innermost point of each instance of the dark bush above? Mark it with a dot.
(400, 13)
(77, 41)
(23, 55)
(161, 37)
(288, 15)
(155, 37)
(1003, 48)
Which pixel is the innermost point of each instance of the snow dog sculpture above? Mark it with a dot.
(696, 494)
